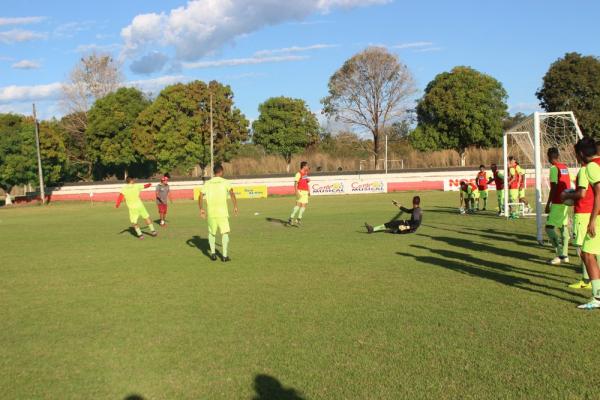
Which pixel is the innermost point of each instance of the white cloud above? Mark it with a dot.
(15, 93)
(293, 49)
(21, 20)
(70, 29)
(241, 61)
(98, 48)
(204, 26)
(428, 49)
(26, 64)
(412, 45)
(19, 35)
(149, 63)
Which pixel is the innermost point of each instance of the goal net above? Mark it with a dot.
(528, 142)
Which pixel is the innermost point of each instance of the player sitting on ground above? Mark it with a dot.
(397, 225)
(558, 217)
(131, 194)
(468, 195)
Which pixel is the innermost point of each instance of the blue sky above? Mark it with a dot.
(265, 48)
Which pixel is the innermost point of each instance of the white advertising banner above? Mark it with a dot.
(453, 184)
(327, 188)
(358, 187)
(336, 187)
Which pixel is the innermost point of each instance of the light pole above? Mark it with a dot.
(386, 153)
(212, 149)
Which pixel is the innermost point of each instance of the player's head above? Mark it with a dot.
(130, 179)
(218, 170)
(494, 167)
(586, 149)
(416, 201)
(304, 166)
(463, 184)
(482, 168)
(511, 161)
(553, 154)
(165, 178)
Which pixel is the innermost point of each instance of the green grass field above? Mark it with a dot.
(463, 309)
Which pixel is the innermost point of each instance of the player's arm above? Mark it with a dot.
(119, 200)
(592, 224)
(157, 195)
(550, 196)
(201, 205)
(234, 201)
(147, 185)
(406, 210)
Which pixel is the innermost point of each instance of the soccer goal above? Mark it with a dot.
(528, 143)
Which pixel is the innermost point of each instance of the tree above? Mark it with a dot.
(110, 129)
(174, 131)
(460, 108)
(511, 120)
(573, 84)
(370, 91)
(285, 126)
(94, 77)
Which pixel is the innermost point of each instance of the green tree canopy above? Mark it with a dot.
(573, 84)
(110, 128)
(285, 126)
(174, 130)
(460, 108)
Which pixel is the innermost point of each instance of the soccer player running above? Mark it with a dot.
(514, 183)
(163, 194)
(395, 225)
(482, 179)
(591, 244)
(217, 212)
(131, 194)
(302, 191)
(498, 179)
(558, 217)
(468, 194)
(584, 202)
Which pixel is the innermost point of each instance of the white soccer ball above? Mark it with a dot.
(256, 213)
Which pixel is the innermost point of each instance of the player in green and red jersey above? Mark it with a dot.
(522, 194)
(131, 194)
(514, 183)
(468, 194)
(302, 191)
(584, 202)
(498, 179)
(560, 180)
(482, 180)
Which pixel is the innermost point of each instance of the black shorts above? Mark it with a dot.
(394, 226)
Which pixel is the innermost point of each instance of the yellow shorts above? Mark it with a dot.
(580, 224)
(483, 194)
(559, 216)
(136, 212)
(302, 197)
(513, 195)
(521, 193)
(473, 195)
(592, 245)
(218, 224)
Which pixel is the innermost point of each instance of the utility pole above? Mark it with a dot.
(39, 157)
(212, 151)
(386, 153)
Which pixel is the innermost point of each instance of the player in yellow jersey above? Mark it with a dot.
(131, 194)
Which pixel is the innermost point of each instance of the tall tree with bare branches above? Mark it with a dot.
(370, 91)
(92, 78)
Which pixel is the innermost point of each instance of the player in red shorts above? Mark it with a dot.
(163, 195)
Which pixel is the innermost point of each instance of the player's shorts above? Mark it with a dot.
(136, 212)
(162, 208)
(580, 224)
(559, 215)
(218, 224)
(521, 193)
(592, 245)
(513, 195)
(302, 197)
(483, 193)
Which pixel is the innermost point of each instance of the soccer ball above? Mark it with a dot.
(569, 202)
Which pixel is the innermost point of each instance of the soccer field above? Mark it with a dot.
(464, 308)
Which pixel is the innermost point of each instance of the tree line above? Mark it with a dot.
(111, 130)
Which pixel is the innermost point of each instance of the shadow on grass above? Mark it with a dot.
(134, 397)
(269, 388)
(276, 221)
(129, 230)
(199, 243)
(508, 280)
(454, 211)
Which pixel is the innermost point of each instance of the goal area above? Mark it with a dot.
(528, 142)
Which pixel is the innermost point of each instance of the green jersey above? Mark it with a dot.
(216, 191)
(131, 192)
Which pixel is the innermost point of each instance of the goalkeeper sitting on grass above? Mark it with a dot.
(397, 225)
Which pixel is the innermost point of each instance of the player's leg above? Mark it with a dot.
(484, 196)
(500, 199)
(558, 219)
(295, 210)
(303, 203)
(213, 225)
(134, 215)
(144, 214)
(590, 250)
(224, 229)
(580, 223)
(513, 198)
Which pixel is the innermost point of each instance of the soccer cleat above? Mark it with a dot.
(297, 221)
(213, 257)
(154, 234)
(141, 237)
(226, 259)
(555, 261)
(581, 285)
(592, 305)
(369, 228)
(564, 259)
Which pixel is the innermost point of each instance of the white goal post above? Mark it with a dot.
(528, 143)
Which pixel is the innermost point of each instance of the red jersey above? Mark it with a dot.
(498, 181)
(516, 182)
(585, 205)
(563, 182)
(303, 180)
(482, 180)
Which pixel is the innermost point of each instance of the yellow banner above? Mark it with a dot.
(250, 192)
(197, 191)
